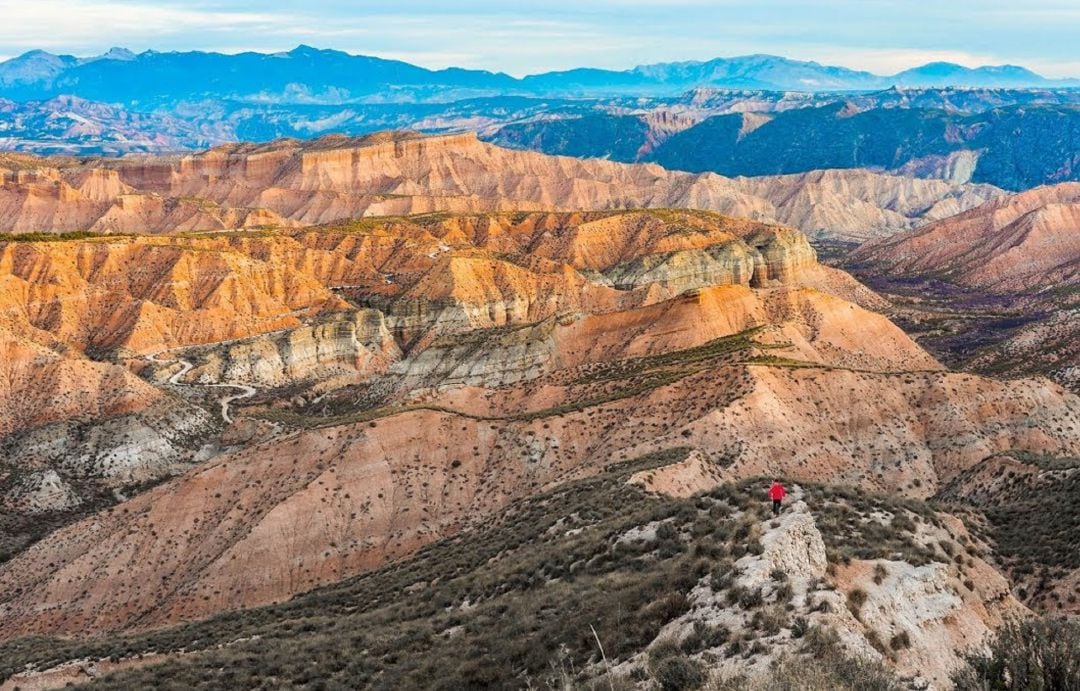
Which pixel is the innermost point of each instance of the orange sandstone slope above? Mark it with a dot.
(530, 349)
(1016, 244)
(39, 386)
(291, 183)
(144, 295)
(1024, 251)
(148, 294)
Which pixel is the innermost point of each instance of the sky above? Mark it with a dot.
(519, 37)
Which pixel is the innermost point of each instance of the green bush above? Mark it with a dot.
(676, 672)
(1031, 655)
(703, 637)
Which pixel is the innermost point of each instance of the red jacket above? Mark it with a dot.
(777, 492)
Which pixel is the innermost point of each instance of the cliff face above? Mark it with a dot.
(340, 347)
(289, 183)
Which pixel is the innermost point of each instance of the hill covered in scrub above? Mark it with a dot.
(600, 583)
(1026, 506)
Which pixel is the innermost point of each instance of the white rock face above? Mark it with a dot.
(45, 491)
(794, 547)
(154, 443)
(911, 596)
(945, 607)
(505, 357)
(347, 345)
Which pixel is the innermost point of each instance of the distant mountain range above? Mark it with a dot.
(310, 75)
(1015, 146)
(752, 115)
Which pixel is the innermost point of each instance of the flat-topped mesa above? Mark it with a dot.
(335, 150)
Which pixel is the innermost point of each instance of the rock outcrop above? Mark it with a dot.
(913, 617)
(934, 612)
(342, 347)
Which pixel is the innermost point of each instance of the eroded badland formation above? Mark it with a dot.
(291, 183)
(470, 376)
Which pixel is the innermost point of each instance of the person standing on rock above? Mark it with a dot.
(777, 494)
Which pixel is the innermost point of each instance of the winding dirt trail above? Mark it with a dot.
(245, 392)
(186, 366)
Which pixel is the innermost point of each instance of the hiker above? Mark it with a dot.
(777, 494)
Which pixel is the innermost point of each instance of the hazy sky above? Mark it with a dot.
(519, 37)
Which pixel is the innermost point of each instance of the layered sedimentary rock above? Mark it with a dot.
(345, 344)
(1016, 244)
(289, 183)
(802, 395)
(412, 377)
(1019, 254)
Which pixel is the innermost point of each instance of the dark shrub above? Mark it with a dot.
(1032, 655)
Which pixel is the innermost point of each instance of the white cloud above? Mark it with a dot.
(76, 24)
(557, 34)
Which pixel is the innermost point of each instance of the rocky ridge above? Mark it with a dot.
(291, 183)
(1016, 244)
